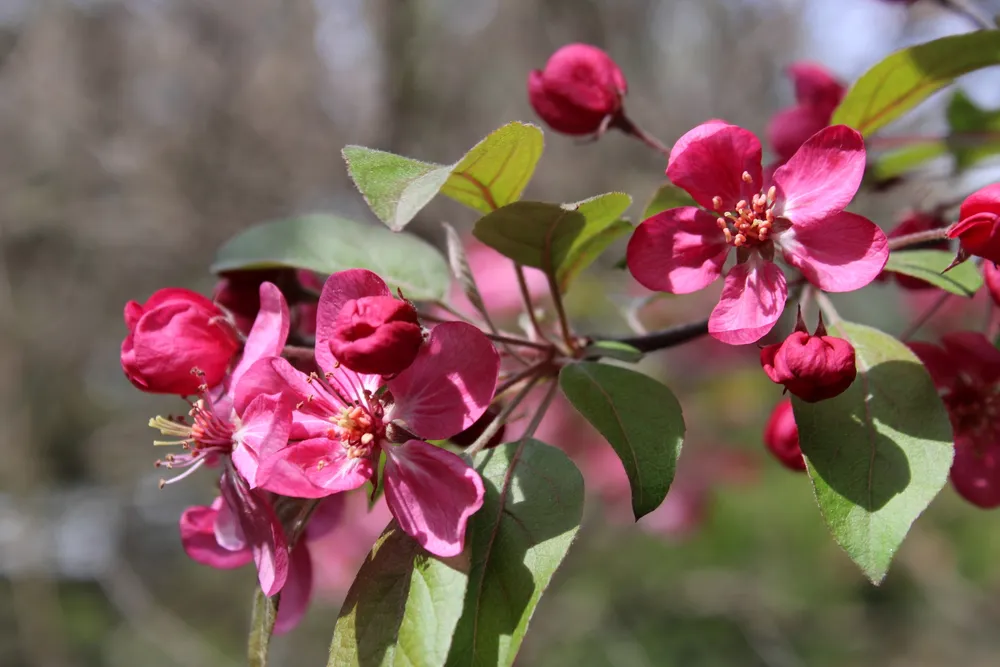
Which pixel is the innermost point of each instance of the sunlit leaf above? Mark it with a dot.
(878, 453)
(327, 244)
(667, 196)
(927, 265)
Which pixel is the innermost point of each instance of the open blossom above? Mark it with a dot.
(781, 436)
(217, 431)
(346, 420)
(799, 216)
(966, 371)
(978, 226)
(814, 368)
(177, 341)
(817, 95)
(579, 91)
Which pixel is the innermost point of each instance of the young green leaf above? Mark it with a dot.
(975, 132)
(327, 244)
(907, 77)
(638, 416)
(667, 196)
(262, 618)
(878, 453)
(492, 174)
(927, 265)
(401, 609)
(559, 239)
(533, 508)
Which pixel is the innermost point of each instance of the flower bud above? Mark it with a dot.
(579, 89)
(975, 472)
(781, 436)
(175, 333)
(813, 368)
(978, 226)
(379, 335)
(239, 292)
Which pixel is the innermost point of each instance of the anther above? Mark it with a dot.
(717, 202)
(747, 178)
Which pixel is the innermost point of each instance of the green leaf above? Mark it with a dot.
(402, 607)
(907, 77)
(492, 174)
(533, 508)
(667, 196)
(495, 172)
(878, 453)
(898, 162)
(612, 349)
(641, 419)
(327, 244)
(927, 265)
(263, 615)
(975, 132)
(560, 240)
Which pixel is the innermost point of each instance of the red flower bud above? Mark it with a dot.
(781, 436)
(174, 333)
(376, 334)
(975, 472)
(991, 276)
(813, 368)
(978, 226)
(580, 87)
(239, 292)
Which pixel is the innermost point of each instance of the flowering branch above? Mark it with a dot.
(626, 125)
(917, 238)
(664, 338)
(491, 430)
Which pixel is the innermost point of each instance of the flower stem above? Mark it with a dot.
(297, 352)
(561, 312)
(513, 340)
(522, 284)
(664, 338)
(491, 430)
(626, 125)
(540, 412)
(925, 317)
(917, 238)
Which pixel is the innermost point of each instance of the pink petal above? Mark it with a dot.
(340, 288)
(262, 529)
(432, 493)
(313, 469)
(822, 177)
(274, 375)
(792, 127)
(752, 300)
(297, 590)
(269, 333)
(267, 423)
(709, 161)
(198, 537)
(680, 251)
(985, 200)
(227, 529)
(450, 383)
(842, 253)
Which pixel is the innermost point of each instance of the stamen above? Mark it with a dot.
(717, 202)
(747, 178)
(172, 480)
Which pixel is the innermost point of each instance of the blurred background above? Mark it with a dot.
(138, 135)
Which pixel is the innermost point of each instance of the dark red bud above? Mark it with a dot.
(975, 472)
(813, 368)
(175, 333)
(580, 87)
(978, 235)
(379, 335)
(781, 436)
(239, 292)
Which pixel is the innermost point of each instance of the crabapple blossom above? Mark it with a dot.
(781, 436)
(377, 335)
(177, 341)
(579, 91)
(799, 216)
(978, 226)
(345, 420)
(814, 368)
(966, 371)
(817, 94)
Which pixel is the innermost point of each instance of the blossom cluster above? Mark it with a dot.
(375, 390)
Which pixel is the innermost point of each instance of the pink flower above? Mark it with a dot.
(814, 368)
(817, 95)
(799, 216)
(346, 420)
(978, 226)
(781, 436)
(966, 371)
(377, 335)
(222, 538)
(580, 90)
(178, 340)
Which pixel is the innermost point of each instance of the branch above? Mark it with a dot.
(664, 338)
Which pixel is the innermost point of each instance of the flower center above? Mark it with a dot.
(750, 224)
(203, 435)
(358, 429)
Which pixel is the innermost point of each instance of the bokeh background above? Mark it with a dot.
(138, 135)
